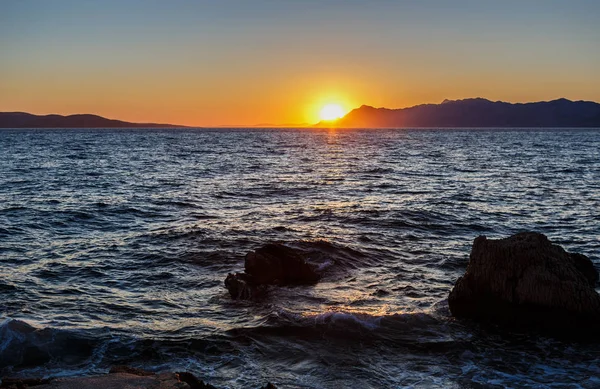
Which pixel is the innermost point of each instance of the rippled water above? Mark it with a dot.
(114, 245)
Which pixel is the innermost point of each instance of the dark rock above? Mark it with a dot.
(193, 382)
(242, 286)
(526, 281)
(277, 264)
(129, 370)
(585, 267)
(271, 264)
(269, 386)
(20, 383)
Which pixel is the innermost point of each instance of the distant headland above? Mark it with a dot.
(28, 120)
(477, 112)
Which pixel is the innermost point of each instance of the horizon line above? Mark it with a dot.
(288, 125)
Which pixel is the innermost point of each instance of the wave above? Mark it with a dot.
(381, 346)
(198, 246)
(14, 209)
(23, 346)
(420, 330)
(326, 255)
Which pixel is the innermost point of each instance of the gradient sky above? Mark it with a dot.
(247, 62)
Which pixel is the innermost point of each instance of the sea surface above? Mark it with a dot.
(114, 245)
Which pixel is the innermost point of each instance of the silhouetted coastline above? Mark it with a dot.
(466, 113)
(476, 112)
(28, 120)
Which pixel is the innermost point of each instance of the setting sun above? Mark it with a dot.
(331, 112)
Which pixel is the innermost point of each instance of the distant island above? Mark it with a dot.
(27, 120)
(475, 112)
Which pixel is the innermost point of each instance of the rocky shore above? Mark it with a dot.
(119, 377)
(523, 281)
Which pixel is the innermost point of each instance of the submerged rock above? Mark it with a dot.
(525, 280)
(271, 264)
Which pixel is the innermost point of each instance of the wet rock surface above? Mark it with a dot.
(271, 264)
(526, 281)
(193, 382)
(129, 370)
(242, 286)
(112, 381)
(18, 383)
(277, 264)
(119, 377)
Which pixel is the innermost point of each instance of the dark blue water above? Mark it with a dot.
(114, 245)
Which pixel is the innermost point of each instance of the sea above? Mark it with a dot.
(114, 245)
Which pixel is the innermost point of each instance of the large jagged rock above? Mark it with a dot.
(271, 264)
(526, 281)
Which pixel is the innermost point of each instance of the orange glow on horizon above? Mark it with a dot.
(331, 112)
(192, 102)
(257, 64)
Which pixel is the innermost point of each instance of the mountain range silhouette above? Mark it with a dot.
(476, 112)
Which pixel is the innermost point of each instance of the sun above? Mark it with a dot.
(331, 112)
